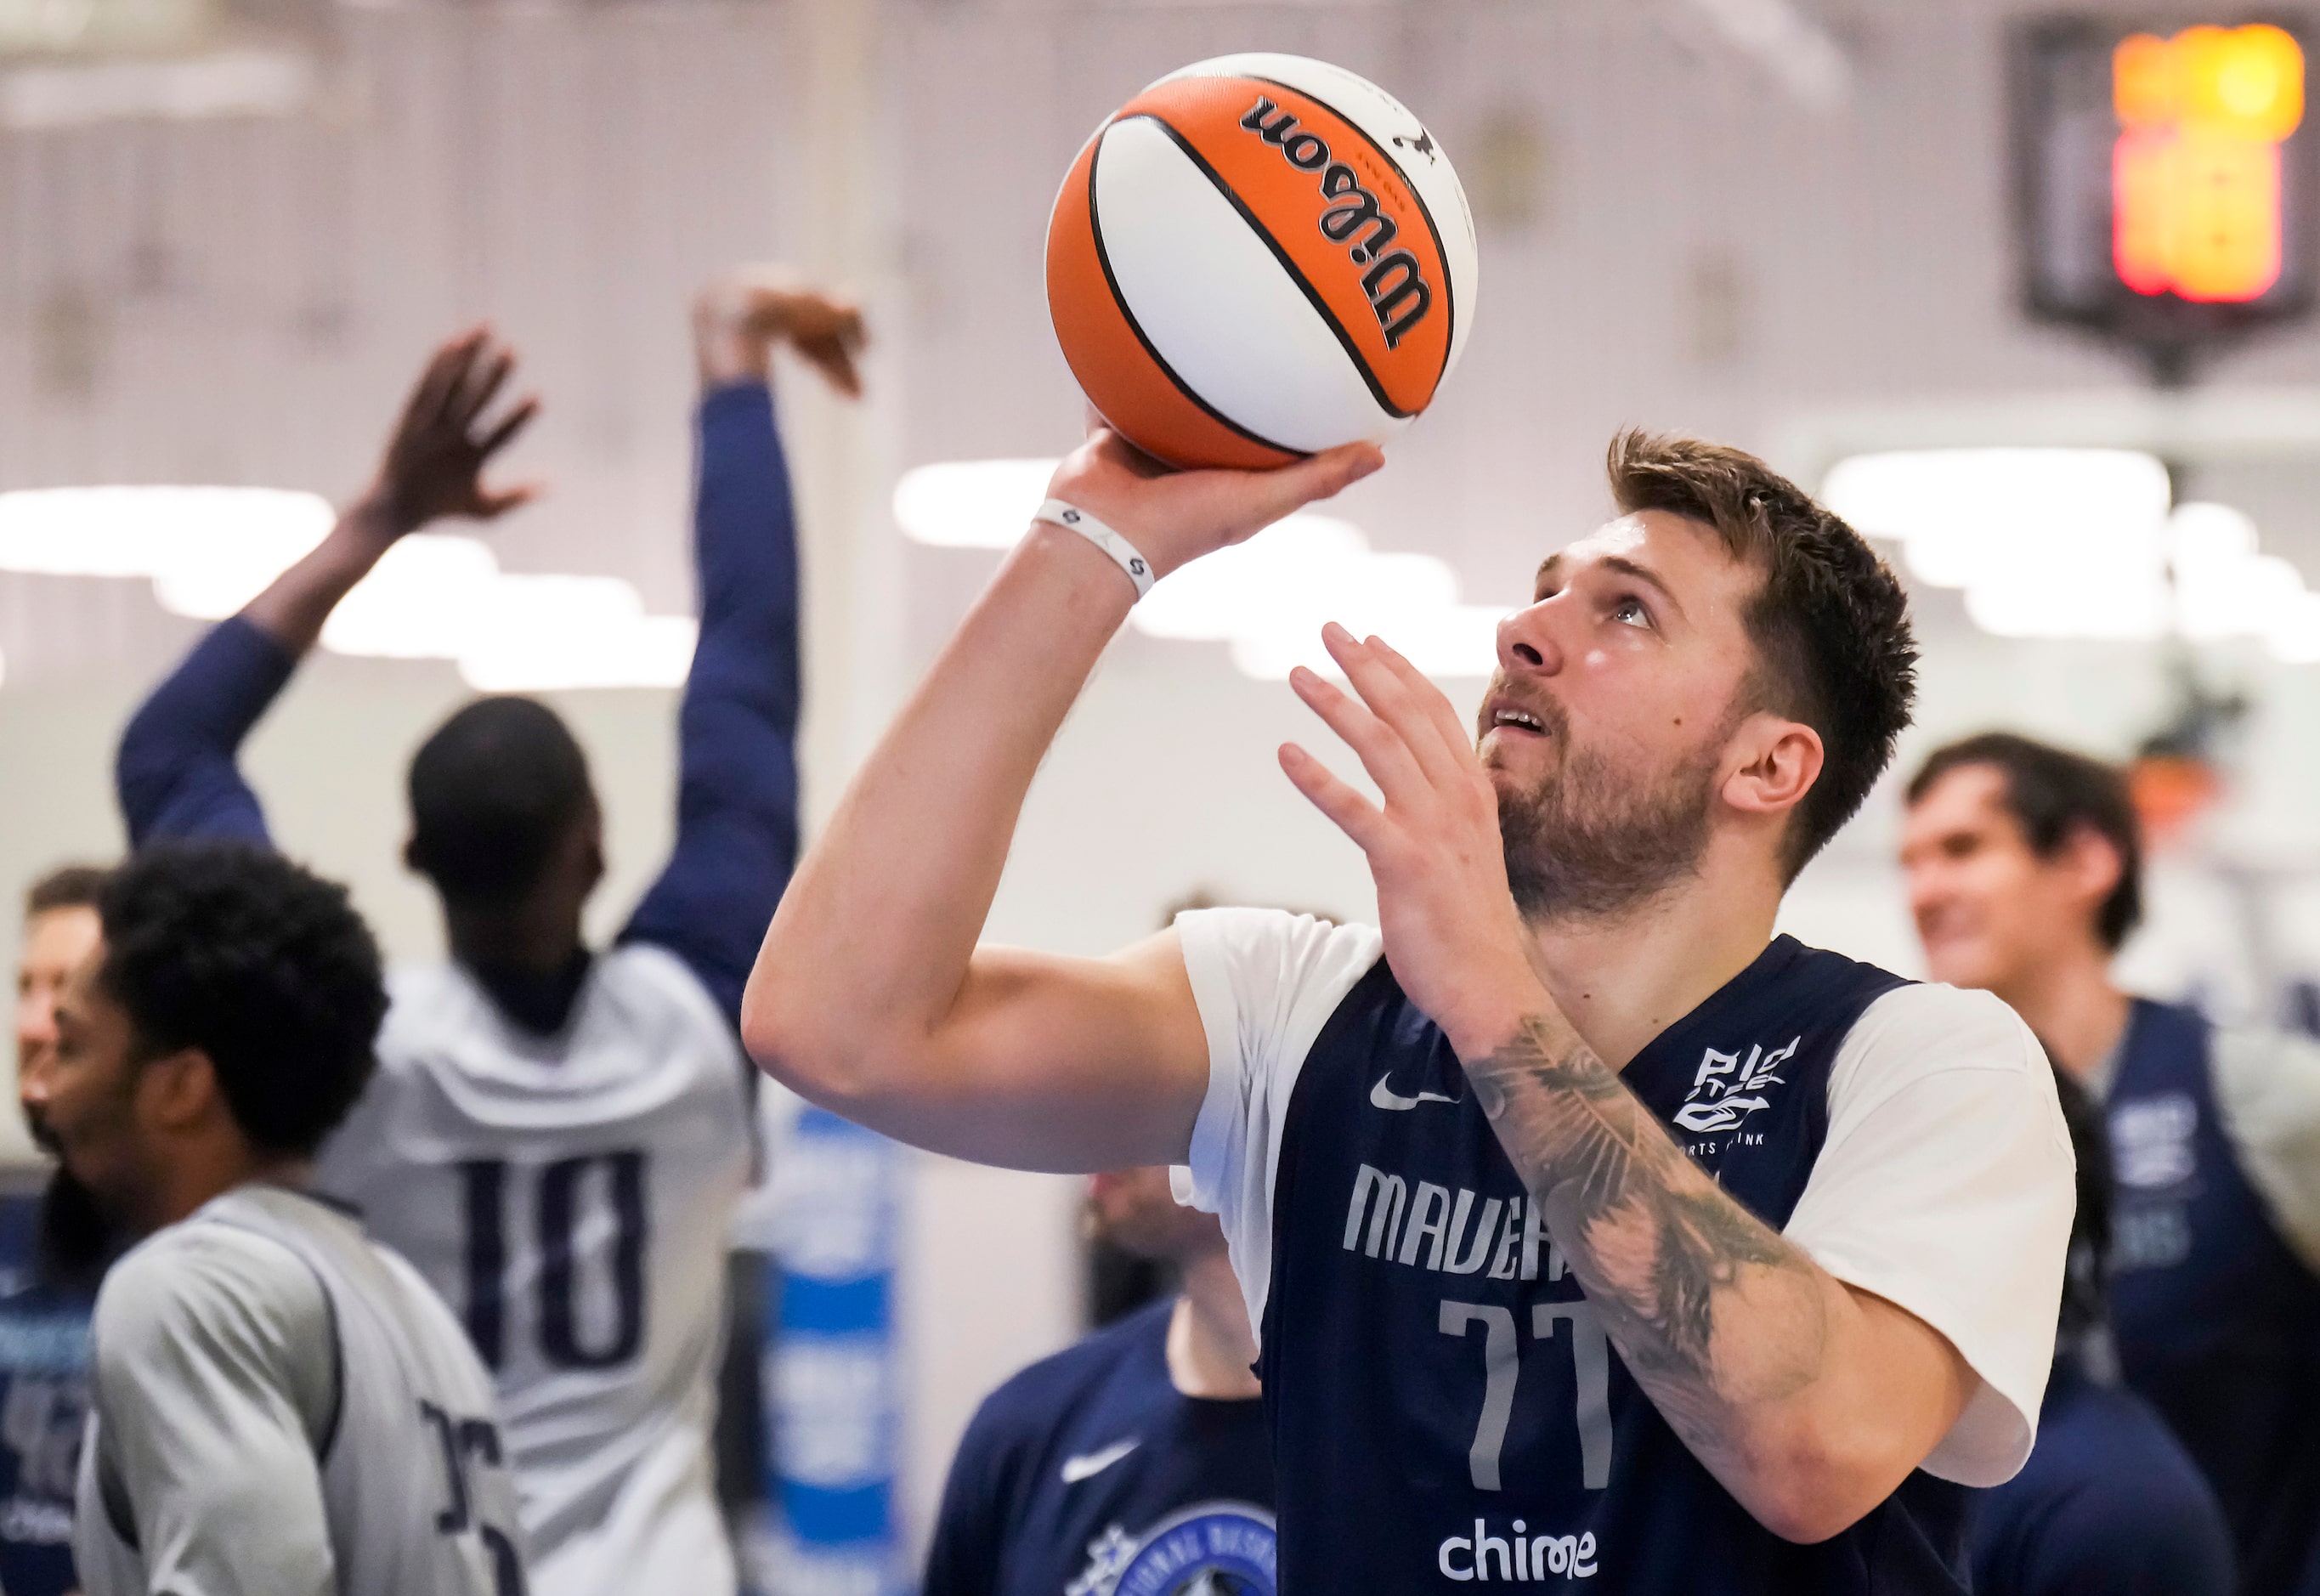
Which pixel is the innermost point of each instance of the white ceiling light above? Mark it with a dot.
(2078, 544)
(424, 599)
(2046, 542)
(208, 551)
(1267, 597)
(540, 634)
(228, 535)
(1964, 513)
(971, 503)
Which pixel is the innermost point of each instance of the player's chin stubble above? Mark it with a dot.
(1586, 839)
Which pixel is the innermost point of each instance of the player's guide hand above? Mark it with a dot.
(1453, 935)
(1174, 517)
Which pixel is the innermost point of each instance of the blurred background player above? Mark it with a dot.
(1146, 1441)
(557, 1136)
(2025, 871)
(2109, 1503)
(281, 1405)
(52, 1259)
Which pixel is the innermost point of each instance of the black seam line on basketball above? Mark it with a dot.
(1305, 286)
(1119, 301)
(1449, 289)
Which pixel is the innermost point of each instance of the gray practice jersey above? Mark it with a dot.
(280, 1405)
(570, 1197)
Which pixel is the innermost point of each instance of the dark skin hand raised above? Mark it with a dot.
(432, 469)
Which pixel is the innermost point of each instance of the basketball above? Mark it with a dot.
(1259, 257)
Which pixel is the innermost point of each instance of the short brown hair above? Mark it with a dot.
(2052, 792)
(1829, 622)
(67, 886)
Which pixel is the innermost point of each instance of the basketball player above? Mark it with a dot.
(1591, 1232)
(1140, 1450)
(60, 929)
(2025, 868)
(60, 926)
(280, 1404)
(2109, 1503)
(44, 1314)
(556, 1135)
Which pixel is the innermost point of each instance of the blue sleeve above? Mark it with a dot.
(737, 827)
(2103, 1508)
(175, 773)
(971, 1527)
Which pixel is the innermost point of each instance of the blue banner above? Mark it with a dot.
(830, 1379)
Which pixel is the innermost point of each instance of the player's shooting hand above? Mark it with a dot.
(435, 460)
(1174, 517)
(1452, 933)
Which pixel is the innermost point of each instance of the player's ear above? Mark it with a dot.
(178, 1091)
(2093, 862)
(1773, 763)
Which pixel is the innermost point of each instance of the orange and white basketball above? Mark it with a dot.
(1259, 257)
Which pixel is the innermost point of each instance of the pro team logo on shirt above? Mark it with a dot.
(1726, 1091)
(1215, 1549)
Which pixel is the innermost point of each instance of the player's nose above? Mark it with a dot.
(1527, 645)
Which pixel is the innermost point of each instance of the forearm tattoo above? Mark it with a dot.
(1711, 1308)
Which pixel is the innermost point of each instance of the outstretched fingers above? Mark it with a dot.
(1335, 797)
(491, 505)
(446, 373)
(504, 433)
(486, 378)
(1402, 701)
(1380, 748)
(1456, 736)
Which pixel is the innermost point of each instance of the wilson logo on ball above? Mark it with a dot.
(1354, 219)
(1257, 257)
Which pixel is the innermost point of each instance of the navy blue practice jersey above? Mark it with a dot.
(43, 1403)
(2218, 1321)
(2108, 1505)
(1090, 1474)
(1446, 1407)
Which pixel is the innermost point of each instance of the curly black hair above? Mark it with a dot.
(1830, 621)
(261, 964)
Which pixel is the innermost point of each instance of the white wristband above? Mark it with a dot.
(1123, 553)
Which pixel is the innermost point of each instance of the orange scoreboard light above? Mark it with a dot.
(2163, 180)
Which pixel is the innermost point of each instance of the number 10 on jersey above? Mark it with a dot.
(548, 1222)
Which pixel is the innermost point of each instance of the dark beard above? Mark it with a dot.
(77, 1243)
(1586, 842)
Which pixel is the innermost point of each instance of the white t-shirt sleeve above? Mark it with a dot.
(1946, 1186)
(214, 1378)
(2267, 1094)
(1266, 982)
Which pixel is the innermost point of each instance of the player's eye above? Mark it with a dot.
(1629, 611)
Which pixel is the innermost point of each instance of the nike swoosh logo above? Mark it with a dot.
(1382, 1098)
(1088, 1464)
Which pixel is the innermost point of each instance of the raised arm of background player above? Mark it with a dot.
(174, 773)
(737, 827)
(1810, 1402)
